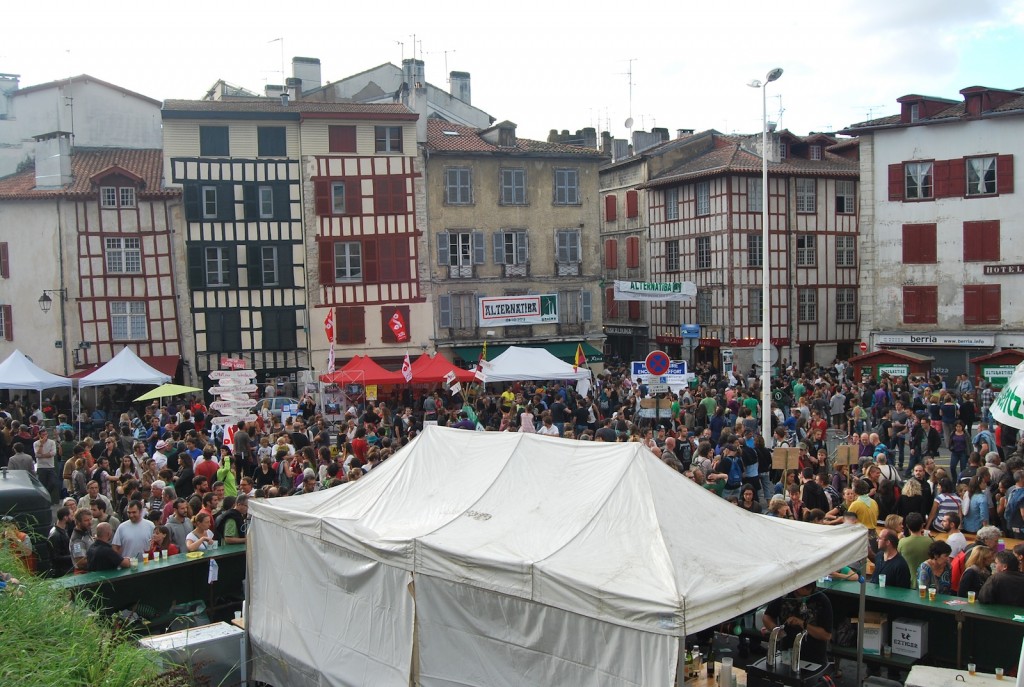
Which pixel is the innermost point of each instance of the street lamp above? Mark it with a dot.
(766, 312)
(45, 303)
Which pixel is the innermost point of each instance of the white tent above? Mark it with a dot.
(480, 558)
(517, 363)
(18, 372)
(124, 368)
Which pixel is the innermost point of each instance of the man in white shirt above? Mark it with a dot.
(159, 456)
(135, 536)
(956, 539)
(45, 450)
(548, 428)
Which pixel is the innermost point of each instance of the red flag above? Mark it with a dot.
(329, 325)
(407, 368)
(397, 325)
(581, 358)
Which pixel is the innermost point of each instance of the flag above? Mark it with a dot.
(330, 359)
(480, 363)
(581, 358)
(407, 368)
(329, 326)
(397, 325)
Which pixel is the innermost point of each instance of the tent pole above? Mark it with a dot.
(860, 627)
(681, 662)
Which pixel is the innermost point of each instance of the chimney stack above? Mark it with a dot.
(53, 160)
(294, 87)
(308, 70)
(460, 86)
(412, 73)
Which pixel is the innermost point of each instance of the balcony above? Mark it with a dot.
(460, 272)
(567, 269)
(517, 270)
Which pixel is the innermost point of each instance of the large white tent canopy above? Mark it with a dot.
(517, 363)
(124, 368)
(480, 558)
(18, 372)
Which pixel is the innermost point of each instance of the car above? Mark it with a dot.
(277, 403)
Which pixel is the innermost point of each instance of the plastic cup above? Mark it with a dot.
(145, 559)
(216, 544)
(888, 650)
(881, 581)
(971, 668)
(999, 673)
(135, 564)
(238, 615)
(970, 597)
(932, 591)
(922, 590)
(163, 555)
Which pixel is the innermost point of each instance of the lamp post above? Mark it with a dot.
(766, 311)
(45, 303)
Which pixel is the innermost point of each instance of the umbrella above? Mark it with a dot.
(1008, 408)
(166, 391)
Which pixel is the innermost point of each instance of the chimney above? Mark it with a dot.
(53, 160)
(459, 85)
(661, 131)
(606, 142)
(412, 73)
(294, 86)
(273, 90)
(284, 99)
(8, 84)
(683, 133)
(308, 70)
(590, 137)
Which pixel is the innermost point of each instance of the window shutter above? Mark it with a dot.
(478, 247)
(586, 307)
(191, 192)
(632, 204)
(896, 182)
(8, 322)
(357, 320)
(972, 305)
(611, 307)
(929, 304)
(1004, 174)
(991, 301)
(632, 252)
(5, 262)
(283, 202)
(499, 248)
(250, 201)
(399, 202)
(634, 310)
(926, 237)
(911, 305)
(610, 203)
(444, 311)
(940, 171)
(371, 263)
(322, 193)
(611, 254)
(196, 267)
(523, 248)
(353, 197)
(957, 178)
(341, 139)
(326, 262)
(226, 202)
(231, 250)
(254, 264)
(981, 241)
(285, 270)
(442, 249)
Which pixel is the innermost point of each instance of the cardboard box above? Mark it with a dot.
(910, 637)
(876, 632)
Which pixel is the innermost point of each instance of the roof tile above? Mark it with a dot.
(85, 164)
(274, 105)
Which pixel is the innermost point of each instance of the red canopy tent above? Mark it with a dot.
(362, 369)
(427, 369)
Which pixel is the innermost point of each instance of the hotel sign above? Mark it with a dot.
(996, 270)
(512, 310)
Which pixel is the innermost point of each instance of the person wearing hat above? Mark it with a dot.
(159, 457)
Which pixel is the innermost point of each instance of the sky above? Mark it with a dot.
(563, 65)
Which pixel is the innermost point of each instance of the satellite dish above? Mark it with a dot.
(629, 123)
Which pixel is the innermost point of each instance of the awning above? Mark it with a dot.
(564, 350)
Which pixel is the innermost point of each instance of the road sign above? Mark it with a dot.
(236, 389)
(657, 363)
(232, 374)
(657, 388)
(863, 346)
(690, 331)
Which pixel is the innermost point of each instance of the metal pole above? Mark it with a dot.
(766, 312)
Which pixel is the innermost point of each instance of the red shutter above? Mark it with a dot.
(957, 178)
(992, 304)
(611, 307)
(919, 244)
(610, 205)
(371, 266)
(611, 254)
(353, 197)
(972, 305)
(632, 204)
(350, 325)
(941, 179)
(896, 182)
(8, 323)
(929, 304)
(911, 305)
(341, 139)
(632, 252)
(5, 262)
(322, 192)
(1004, 174)
(326, 262)
(981, 241)
(634, 310)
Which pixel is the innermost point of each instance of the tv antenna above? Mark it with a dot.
(870, 109)
(629, 77)
(280, 40)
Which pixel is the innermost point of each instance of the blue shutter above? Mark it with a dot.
(523, 248)
(499, 248)
(586, 312)
(477, 238)
(442, 250)
(444, 311)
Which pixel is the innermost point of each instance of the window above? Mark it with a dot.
(672, 255)
(807, 305)
(567, 246)
(846, 197)
(703, 252)
(755, 195)
(815, 152)
(981, 175)
(270, 141)
(387, 332)
(920, 304)
(341, 138)
(387, 139)
(846, 251)
(223, 331)
(611, 207)
(567, 187)
(915, 112)
(611, 254)
(754, 298)
(457, 310)
(846, 305)
(633, 252)
(268, 265)
(127, 196)
(755, 250)
(128, 320)
(511, 248)
(632, 204)
(108, 197)
(611, 306)
(672, 203)
(783, 150)
(672, 313)
(114, 197)
(279, 329)
(806, 250)
(389, 197)
(574, 307)
(704, 310)
(338, 198)
(918, 180)
(633, 310)
(460, 249)
(348, 261)
(981, 241)
(213, 140)
(266, 196)
(6, 323)
(209, 199)
(350, 325)
(123, 256)
(513, 186)
(806, 195)
(5, 261)
(218, 266)
(703, 198)
(919, 244)
(983, 304)
(458, 186)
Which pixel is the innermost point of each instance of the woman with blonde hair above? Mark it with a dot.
(977, 570)
(201, 537)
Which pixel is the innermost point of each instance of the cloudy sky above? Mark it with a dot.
(545, 65)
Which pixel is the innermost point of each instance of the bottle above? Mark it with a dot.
(711, 662)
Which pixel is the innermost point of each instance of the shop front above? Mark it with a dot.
(952, 352)
(627, 343)
(893, 362)
(996, 367)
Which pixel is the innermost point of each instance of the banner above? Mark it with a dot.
(330, 358)
(329, 325)
(407, 368)
(397, 325)
(502, 311)
(684, 291)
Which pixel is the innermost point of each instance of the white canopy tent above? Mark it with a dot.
(124, 368)
(18, 372)
(479, 558)
(517, 363)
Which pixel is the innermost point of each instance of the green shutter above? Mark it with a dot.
(191, 192)
(254, 262)
(196, 267)
(226, 202)
(285, 267)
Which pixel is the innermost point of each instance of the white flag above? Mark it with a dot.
(330, 359)
(407, 368)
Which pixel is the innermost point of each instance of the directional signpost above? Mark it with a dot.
(232, 391)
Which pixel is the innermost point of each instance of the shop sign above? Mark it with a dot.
(893, 370)
(503, 311)
(997, 375)
(966, 340)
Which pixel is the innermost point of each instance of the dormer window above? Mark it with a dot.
(815, 152)
(915, 112)
(113, 197)
(782, 151)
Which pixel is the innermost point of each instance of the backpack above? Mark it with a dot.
(735, 480)
(957, 566)
(833, 496)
